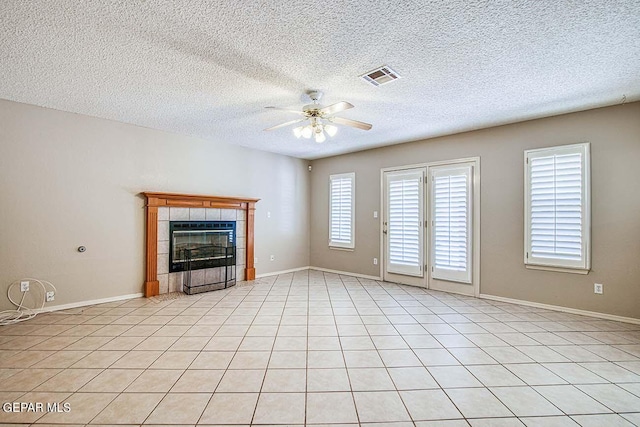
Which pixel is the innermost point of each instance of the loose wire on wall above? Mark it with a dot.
(22, 312)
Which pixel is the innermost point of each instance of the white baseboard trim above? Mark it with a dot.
(89, 302)
(563, 309)
(346, 273)
(275, 273)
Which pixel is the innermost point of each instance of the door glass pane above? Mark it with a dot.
(451, 223)
(404, 223)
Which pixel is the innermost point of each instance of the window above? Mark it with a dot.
(341, 210)
(451, 215)
(557, 208)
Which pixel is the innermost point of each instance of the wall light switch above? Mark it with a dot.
(255, 260)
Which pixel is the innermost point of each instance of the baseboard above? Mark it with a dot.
(563, 309)
(346, 273)
(89, 302)
(275, 273)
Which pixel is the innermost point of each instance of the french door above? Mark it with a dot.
(429, 235)
(403, 226)
(451, 223)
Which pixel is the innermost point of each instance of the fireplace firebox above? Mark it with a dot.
(192, 245)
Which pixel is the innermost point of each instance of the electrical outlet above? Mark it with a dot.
(598, 288)
(375, 214)
(375, 261)
(272, 258)
(50, 296)
(268, 214)
(255, 260)
(24, 286)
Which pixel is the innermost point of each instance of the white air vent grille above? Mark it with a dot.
(380, 76)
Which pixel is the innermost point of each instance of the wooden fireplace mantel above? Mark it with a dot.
(156, 200)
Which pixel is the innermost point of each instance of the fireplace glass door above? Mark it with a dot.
(195, 239)
(202, 243)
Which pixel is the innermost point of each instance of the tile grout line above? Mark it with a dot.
(272, 347)
(344, 359)
(386, 368)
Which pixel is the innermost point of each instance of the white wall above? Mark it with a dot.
(69, 180)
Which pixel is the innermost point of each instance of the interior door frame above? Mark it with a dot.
(427, 235)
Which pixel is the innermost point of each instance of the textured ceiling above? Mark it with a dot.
(208, 68)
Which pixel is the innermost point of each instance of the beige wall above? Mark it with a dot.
(69, 180)
(614, 133)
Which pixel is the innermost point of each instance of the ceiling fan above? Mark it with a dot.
(320, 119)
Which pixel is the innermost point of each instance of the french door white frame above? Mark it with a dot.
(475, 161)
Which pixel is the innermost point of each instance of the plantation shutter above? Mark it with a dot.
(405, 223)
(556, 220)
(341, 210)
(451, 223)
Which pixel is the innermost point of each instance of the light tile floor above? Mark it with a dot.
(316, 348)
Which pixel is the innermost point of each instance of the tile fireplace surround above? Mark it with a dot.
(161, 208)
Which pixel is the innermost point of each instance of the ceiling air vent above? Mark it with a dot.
(380, 76)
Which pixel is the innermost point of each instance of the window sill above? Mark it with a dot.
(558, 269)
(339, 248)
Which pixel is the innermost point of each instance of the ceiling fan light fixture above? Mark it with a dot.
(307, 131)
(331, 130)
(320, 137)
(320, 120)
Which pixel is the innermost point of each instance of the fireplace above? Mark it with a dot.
(194, 245)
(162, 208)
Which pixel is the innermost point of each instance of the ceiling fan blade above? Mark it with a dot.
(285, 124)
(335, 108)
(352, 123)
(287, 110)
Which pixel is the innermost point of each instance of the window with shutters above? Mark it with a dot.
(341, 210)
(557, 208)
(404, 222)
(451, 220)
